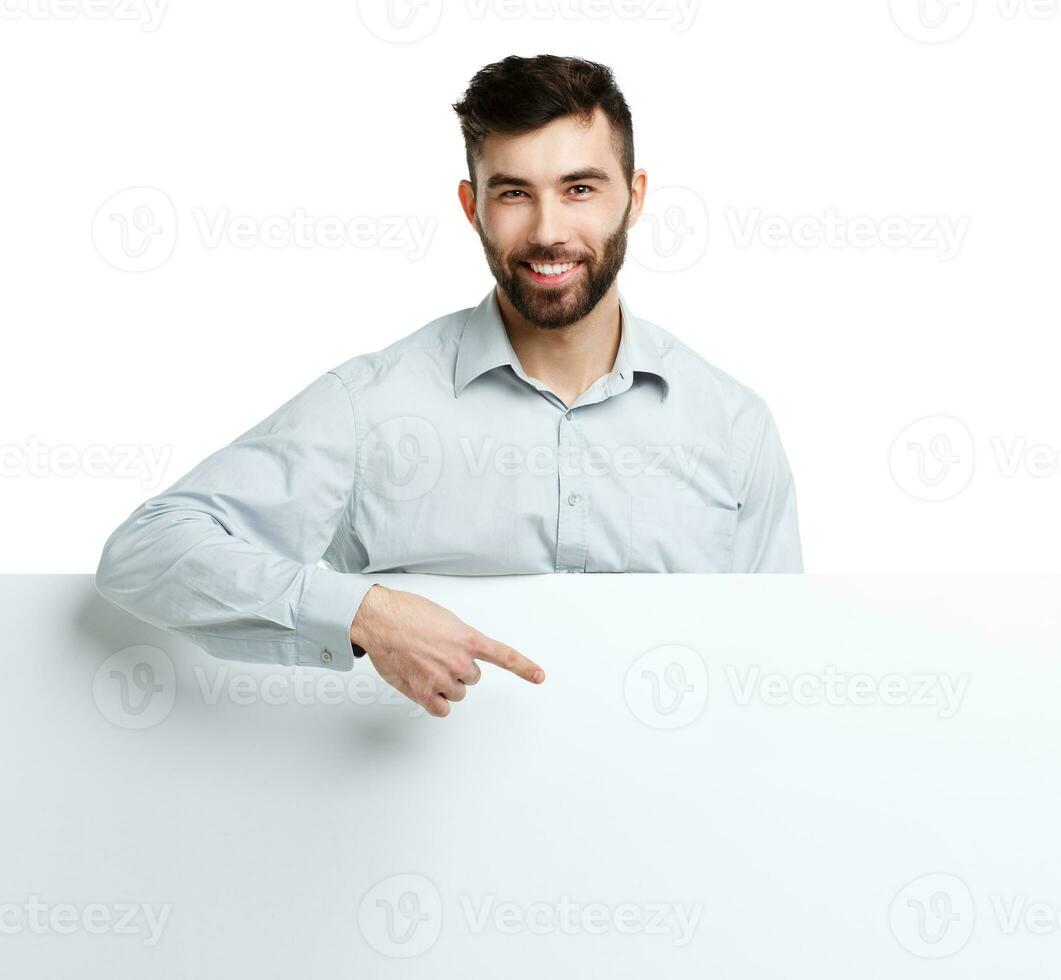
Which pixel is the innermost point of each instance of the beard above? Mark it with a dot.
(550, 307)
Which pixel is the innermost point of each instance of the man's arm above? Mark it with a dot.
(227, 556)
(767, 536)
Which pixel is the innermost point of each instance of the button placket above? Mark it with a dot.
(571, 523)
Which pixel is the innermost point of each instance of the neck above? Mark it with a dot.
(567, 359)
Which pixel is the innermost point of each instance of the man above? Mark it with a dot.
(547, 429)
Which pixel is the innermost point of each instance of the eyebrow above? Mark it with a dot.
(586, 173)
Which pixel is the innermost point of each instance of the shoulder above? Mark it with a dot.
(734, 411)
(431, 346)
(690, 371)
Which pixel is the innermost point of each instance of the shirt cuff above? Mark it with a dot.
(329, 604)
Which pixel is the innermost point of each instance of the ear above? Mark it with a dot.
(638, 188)
(466, 193)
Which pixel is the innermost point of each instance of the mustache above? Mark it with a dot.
(552, 261)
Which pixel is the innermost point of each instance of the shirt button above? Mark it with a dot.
(327, 656)
(572, 499)
(568, 416)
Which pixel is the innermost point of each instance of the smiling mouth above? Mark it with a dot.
(551, 273)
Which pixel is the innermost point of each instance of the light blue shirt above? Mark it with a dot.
(440, 454)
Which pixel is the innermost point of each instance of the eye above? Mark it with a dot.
(585, 188)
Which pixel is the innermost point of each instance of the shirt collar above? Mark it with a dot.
(484, 345)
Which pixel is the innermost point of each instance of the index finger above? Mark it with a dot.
(495, 652)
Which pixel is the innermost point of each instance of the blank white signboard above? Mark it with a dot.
(721, 776)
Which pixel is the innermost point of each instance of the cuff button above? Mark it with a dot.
(327, 656)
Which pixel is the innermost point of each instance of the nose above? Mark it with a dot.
(547, 229)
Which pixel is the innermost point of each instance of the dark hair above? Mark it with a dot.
(518, 95)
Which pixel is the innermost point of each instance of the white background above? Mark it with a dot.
(783, 112)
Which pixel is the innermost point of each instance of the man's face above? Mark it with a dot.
(552, 197)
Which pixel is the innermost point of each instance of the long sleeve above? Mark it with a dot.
(767, 536)
(228, 555)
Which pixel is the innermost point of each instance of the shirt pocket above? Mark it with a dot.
(668, 535)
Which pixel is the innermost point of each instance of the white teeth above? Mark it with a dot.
(552, 270)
